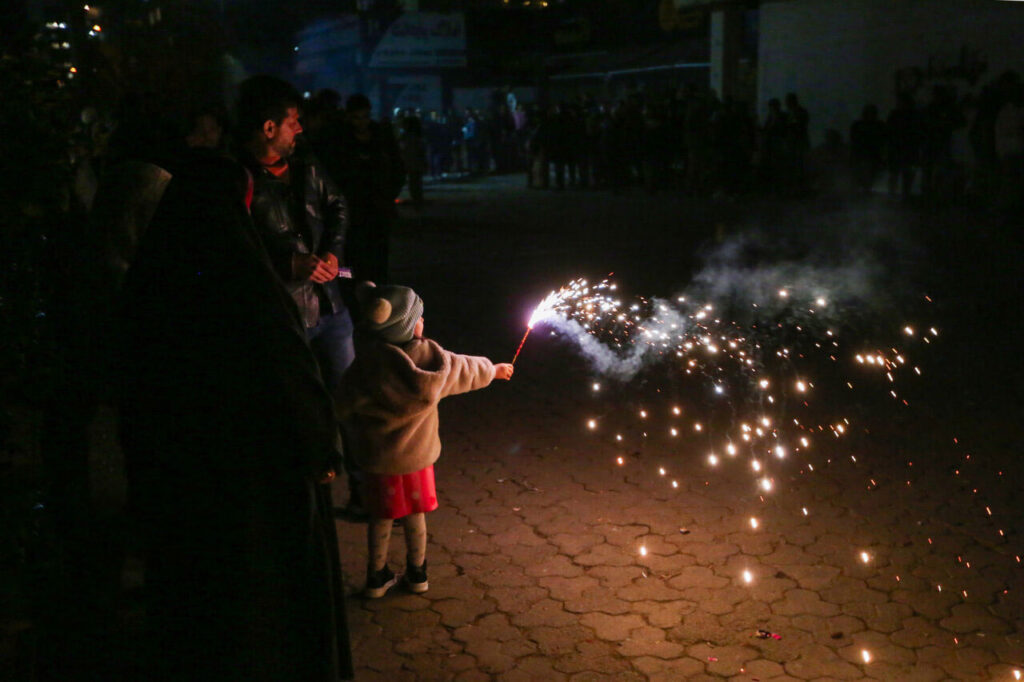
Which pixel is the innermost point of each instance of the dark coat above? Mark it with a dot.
(371, 174)
(306, 215)
(227, 427)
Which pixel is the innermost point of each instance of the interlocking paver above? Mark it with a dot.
(821, 662)
(490, 656)
(544, 612)
(885, 617)
(597, 599)
(649, 641)
(588, 665)
(680, 668)
(723, 660)
(593, 676)
(700, 626)
(612, 628)
(513, 600)
(974, 618)
(556, 565)
(699, 577)
(905, 673)
(650, 588)
(572, 544)
(931, 603)
(607, 555)
(763, 669)
(799, 601)
(475, 674)
(615, 576)
(622, 536)
(663, 614)
(565, 589)
(458, 612)
(398, 627)
(452, 587)
(557, 640)
(532, 669)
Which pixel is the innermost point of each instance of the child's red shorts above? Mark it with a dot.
(392, 496)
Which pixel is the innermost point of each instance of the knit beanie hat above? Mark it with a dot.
(392, 312)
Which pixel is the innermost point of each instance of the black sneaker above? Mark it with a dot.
(415, 578)
(378, 582)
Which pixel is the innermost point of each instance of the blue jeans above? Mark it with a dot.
(331, 341)
(332, 345)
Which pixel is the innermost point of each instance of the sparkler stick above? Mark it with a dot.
(528, 330)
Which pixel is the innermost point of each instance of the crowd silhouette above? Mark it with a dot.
(935, 145)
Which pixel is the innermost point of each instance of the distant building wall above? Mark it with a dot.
(838, 56)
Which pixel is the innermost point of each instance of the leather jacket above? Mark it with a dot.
(306, 215)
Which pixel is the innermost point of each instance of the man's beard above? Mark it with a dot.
(286, 152)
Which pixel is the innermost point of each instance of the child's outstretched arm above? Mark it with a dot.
(469, 372)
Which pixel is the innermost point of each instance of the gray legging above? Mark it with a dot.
(378, 536)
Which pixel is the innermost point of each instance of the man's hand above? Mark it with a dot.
(503, 371)
(308, 266)
(331, 261)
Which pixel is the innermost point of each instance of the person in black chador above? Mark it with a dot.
(228, 431)
(371, 175)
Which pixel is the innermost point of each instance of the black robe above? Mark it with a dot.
(227, 428)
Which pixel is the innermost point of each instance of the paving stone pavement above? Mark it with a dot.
(549, 561)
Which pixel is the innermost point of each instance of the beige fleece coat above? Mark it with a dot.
(389, 397)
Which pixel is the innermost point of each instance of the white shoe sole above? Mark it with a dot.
(416, 588)
(378, 592)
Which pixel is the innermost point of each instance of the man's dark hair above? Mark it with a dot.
(217, 111)
(357, 102)
(262, 99)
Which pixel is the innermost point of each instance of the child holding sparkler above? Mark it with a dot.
(390, 396)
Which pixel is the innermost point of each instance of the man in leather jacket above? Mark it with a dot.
(301, 217)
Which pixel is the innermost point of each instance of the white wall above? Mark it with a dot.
(838, 55)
